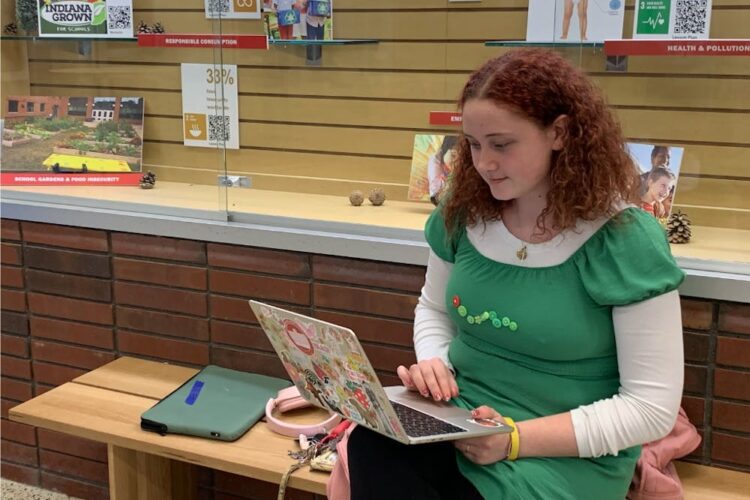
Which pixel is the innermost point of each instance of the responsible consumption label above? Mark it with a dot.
(210, 116)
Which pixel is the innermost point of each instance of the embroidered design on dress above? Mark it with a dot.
(491, 316)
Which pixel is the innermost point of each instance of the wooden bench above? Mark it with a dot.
(105, 405)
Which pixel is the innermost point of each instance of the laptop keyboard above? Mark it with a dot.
(418, 424)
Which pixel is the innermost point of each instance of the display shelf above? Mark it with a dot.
(37, 38)
(308, 43)
(524, 43)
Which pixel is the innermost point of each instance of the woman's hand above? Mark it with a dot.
(431, 378)
(486, 449)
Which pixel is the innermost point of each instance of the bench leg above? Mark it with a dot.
(134, 475)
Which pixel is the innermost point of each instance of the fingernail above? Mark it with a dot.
(438, 397)
(474, 412)
(425, 393)
(447, 398)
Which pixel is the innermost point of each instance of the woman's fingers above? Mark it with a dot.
(431, 378)
(485, 411)
(403, 374)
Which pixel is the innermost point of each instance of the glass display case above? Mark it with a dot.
(317, 119)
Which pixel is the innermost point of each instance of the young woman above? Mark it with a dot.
(549, 299)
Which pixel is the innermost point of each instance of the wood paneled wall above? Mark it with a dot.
(350, 123)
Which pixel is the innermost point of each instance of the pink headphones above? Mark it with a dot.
(290, 399)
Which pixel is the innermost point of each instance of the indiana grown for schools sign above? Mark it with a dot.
(86, 18)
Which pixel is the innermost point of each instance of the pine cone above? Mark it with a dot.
(157, 28)
(678, 228)
(143, 28)
(148, 180)
(10, 29)
(377, 196)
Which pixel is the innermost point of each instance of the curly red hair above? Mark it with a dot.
(588, 176)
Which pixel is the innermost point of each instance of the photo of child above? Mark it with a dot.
(298, 19)
(660, 167)
(431, 165)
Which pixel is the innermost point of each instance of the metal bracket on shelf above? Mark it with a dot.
(84, 47)
(240, 181)
(313, 55)
(616, 64)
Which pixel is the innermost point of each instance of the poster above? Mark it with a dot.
(672, 19)
(575, 21)
(78, 134)
(298, 20)
(232, 9)
(431, 165)
(210, 114)
(659, 165)
(89, 19)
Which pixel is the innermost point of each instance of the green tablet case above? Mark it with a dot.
(217, 403)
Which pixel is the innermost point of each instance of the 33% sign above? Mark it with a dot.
(219, 76)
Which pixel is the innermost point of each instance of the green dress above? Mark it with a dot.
(533, 342)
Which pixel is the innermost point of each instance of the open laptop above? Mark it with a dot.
(329, 367)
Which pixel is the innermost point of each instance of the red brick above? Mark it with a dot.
(731, 416)
(73, 466)
(15, 367)
(54, 375)
(75, 309)
(71, 445)
(63, 261)
(734, 318)
(19, 453)
(387, 379)
(20, 473)
(11, 277)
(78, 489)
(159, 247)
(78, 357)
(240, 335)
(259, 260)
(7, 404)
(697, 314)
(732, 384)
(728, 448)
(10, 230)
(40, 388)
(16, 346)
(231, 309)
(69, 285)
(368, 273)
(165, 299)
(695, 409)
(232, 484)
(733, 351)
(76, 333)
(64, 236)
(13, 300)
(16, 390)
(695, 347)
(14, 323)
(260, 287)
(10, 254)
(388, 358)
(249, 361)
(361, 300)
(695, 379)
(160, 273)
(164, 323)
(174, 350)
(20, 433)
(386, 331)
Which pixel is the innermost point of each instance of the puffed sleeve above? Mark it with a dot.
(628, 260)
(438, 238)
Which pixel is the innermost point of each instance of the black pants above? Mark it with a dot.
(381, 468)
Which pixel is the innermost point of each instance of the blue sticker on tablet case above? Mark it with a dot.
(194, 392)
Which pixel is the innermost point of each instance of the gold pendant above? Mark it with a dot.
(522, 254)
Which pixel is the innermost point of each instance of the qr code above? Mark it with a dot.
(119, 17)
(219, 6)
(691, 16)
(218, 128)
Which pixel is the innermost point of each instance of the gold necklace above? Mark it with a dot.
(521, 253)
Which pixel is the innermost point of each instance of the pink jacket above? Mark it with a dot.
(655, 476)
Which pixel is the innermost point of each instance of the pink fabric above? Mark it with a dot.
(337, 487)
(655, 476)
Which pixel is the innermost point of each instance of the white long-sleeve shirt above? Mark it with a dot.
(648, 337)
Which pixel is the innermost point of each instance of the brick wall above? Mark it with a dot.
(74, 299)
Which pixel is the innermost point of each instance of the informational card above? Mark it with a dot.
(672, 19)
(575, 21)
(232, 9)
(210, 114)
(90, 19)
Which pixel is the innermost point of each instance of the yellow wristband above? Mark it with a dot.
(515, 442)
